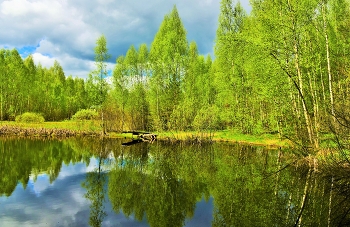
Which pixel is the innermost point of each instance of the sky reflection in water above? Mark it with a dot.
(62, 203)
(159, 184)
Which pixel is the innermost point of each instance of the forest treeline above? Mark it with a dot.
(283, 68)
(26, 87)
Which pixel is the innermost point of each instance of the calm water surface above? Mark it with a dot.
(91, 182)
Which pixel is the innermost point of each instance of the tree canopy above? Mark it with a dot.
(282, 68)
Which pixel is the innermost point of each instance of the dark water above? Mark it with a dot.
(91, 182)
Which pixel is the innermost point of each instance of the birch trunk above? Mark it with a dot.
(330, 203)
(301, 91)
(303, 201)
(328, 60)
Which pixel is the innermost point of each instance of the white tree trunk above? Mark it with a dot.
(330, 81)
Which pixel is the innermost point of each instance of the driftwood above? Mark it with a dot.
(141, 136)
(149, 137)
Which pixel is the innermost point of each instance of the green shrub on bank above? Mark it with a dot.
(85, 115)
(29, 117)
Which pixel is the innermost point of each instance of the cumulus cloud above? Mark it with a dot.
(66, 30)
(45, 61)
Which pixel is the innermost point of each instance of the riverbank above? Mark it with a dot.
(92, 128)
(228, 136)
(326, 157)
(49, 129)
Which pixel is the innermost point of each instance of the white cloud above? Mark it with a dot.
(44, 60)
(14, 8)
(46, 53)
(46, 47)
(72, 66)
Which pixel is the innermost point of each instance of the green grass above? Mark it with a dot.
(263, 139)
(219, 136)
(228, 136)
(87, 126)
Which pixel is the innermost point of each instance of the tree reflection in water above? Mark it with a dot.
(95, 185)
(338, 177)
(164, 187)
(162, 183)
(246, 183)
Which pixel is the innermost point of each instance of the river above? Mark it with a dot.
(95, 182)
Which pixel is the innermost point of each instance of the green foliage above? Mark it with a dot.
(130, 91)
(26, 87)
(282, 69)
(162, 184)
(20, 159)
(30, 118)
(96, 85)
(208, 118)
(86, 114)
(168, 55)
(269, 74)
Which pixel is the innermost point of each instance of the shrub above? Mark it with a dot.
(30, 118)
(207, 119)
(85, 115)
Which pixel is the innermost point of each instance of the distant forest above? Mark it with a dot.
(283, 68)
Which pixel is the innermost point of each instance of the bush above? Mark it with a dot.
(30, 118)
(207, 119)
(85, 115)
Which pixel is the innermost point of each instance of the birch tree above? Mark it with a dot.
(101, 72)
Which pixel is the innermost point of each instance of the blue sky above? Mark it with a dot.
(66, 30)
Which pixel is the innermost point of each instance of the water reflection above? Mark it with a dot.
(82, 182)
(23, 158)
(95, 186)
(156, 187)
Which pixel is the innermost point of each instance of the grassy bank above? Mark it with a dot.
(53, 129)
(73, 128)
(93, 128)
(227, 136)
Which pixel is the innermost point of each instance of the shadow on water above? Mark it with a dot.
(162, 184)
